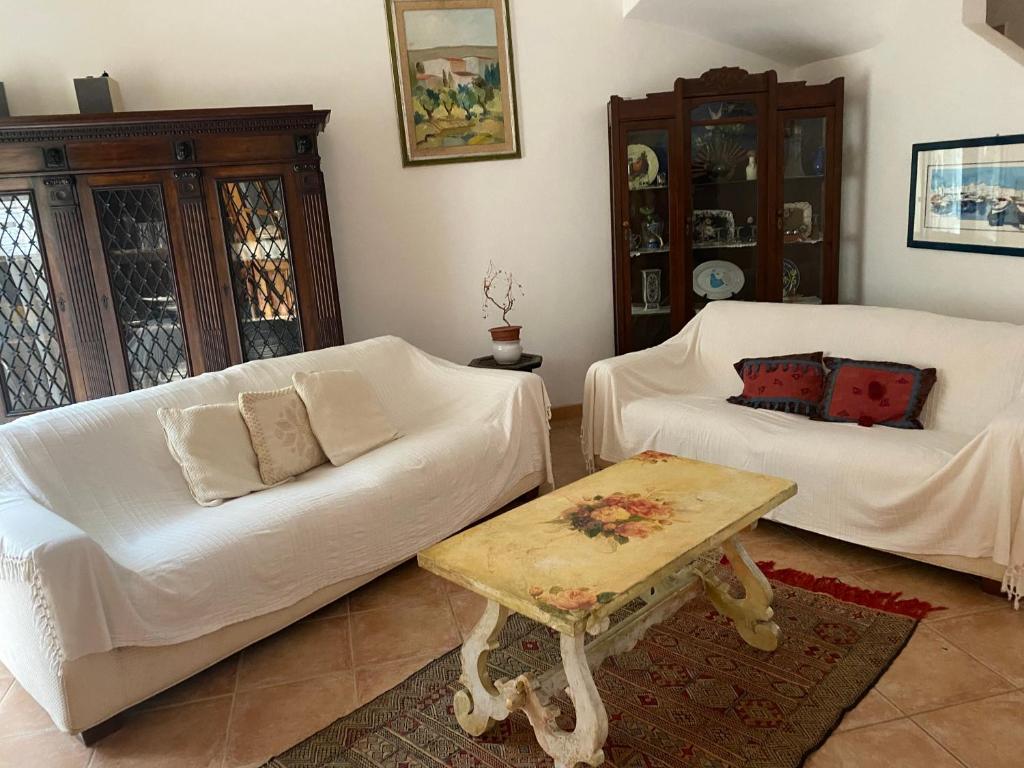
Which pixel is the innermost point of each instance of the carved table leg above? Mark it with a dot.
(584, 744)
(753, 613)
(480, 705)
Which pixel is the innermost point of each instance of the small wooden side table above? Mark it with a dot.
(525, 363)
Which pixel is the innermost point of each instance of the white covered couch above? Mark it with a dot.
(951, 494)
(115, 584)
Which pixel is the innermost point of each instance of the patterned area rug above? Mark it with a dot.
(691, 694)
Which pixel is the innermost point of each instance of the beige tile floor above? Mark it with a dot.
(955, 697)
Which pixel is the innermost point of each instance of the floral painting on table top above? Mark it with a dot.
(652, 457)
(618, 516)
(575, 601)
(579, 551)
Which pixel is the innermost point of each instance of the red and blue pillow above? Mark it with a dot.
(788, 383)
(869, 392)
(837, 389)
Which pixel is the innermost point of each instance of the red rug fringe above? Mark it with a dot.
(890, 602)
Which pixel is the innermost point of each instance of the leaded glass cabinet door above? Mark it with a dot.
(33, 366)
(144, 299)
(260, 265)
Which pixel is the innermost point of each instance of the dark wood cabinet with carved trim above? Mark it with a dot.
(726, 186)
(137, 248)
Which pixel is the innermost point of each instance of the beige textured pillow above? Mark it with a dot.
(280, 432)
(345, 413)
(211, 444)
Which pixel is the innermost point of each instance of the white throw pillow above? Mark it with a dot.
(211, 444)
(345, 413)
(280, 432)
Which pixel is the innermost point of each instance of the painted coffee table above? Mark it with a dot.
(649, 527)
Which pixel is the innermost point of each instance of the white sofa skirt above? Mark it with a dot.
(89, 690)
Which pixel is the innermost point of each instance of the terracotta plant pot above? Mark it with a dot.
(506, 344)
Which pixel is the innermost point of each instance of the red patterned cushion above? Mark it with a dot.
(869, 392)
(790, 383)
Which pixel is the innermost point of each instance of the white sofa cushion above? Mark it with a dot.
(282, 438)
(344, 412)
(211, 444)
(829, 461)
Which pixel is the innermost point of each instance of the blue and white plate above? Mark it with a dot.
(718, 279)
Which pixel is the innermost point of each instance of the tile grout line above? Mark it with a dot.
(904, 715)
(186, 702)
(961, 703)
(931, 622)
(887, 700)
(874, 570)
(940, 619)
(398, 660)
(8, 689)
(313, 616)
(352, 651)
(900, 716)
(290, 681)
(950, 704)
(791, 534)
(455, 619)
(939, 743)
(231, 712)
(989, 667)
(417, 601)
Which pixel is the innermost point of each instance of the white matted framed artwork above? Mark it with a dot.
(968, 195)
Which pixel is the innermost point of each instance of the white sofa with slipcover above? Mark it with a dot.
(116, 584)
(951, 494)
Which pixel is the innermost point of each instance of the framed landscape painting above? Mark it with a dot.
(454, 80)
(968, 195)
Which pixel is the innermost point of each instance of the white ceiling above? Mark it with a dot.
(793, 32)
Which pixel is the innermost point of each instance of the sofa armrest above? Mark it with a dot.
(993, 463)
(611, 384)
(29, 530)
(1010, 417)
(51, 557)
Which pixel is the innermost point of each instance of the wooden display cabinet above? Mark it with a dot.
(725, 187)
(137, 248)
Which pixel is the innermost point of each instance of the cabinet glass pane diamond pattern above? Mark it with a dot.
(133, 228)
(34, 376)
(256, 230)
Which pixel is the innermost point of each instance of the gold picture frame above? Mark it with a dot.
(454, 80)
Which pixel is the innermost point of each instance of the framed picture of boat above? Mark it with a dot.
(454, 80)
(968, 195)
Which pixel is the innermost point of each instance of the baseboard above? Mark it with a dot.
(567, 412)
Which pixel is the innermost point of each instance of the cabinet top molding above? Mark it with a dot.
(119, 125)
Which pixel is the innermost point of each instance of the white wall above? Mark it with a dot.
(411, 244)
(931, 79)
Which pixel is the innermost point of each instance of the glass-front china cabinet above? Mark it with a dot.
(726, 187)
(139, 248)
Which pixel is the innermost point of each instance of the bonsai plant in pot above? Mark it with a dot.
(501, 292)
